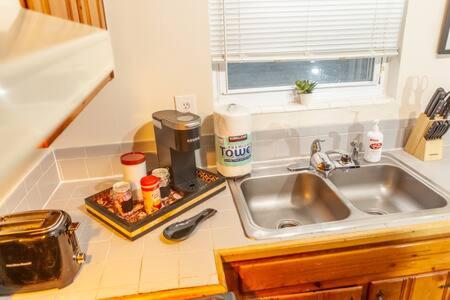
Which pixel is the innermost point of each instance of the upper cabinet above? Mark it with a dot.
(50, 69)
(90, 12)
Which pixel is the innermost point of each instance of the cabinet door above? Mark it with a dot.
(428, 286)
(350, 293)
(392, 289)
(90, 12)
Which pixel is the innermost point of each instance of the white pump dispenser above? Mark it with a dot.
(374, 144)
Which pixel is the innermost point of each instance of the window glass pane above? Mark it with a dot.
(273, 74)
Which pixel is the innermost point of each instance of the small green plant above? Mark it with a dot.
(305, 86)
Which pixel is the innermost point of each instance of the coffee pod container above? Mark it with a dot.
(164, 181)
(233, 138)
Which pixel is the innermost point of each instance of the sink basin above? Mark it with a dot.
(292, 200)
(273, 202)
(385, 189)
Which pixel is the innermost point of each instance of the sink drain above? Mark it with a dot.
(288, 223)
(376, 212)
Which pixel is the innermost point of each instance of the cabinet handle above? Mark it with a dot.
(444, 286)
(380, 295)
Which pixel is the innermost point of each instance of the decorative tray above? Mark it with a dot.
(137, 222)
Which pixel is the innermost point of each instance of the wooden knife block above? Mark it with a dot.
(421, 148)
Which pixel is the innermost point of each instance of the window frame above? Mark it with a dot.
(344, 94)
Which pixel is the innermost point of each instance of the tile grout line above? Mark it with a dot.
(60, 177)
(91, 179)
(51, 195)
(15, 186)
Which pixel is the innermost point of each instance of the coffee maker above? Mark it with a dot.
(177, 137)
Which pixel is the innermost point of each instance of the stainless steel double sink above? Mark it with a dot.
(273, 202)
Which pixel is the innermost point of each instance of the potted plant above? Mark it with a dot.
(304, 89)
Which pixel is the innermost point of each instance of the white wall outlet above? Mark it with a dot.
(187, 103)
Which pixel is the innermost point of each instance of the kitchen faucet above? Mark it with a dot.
(322, 162)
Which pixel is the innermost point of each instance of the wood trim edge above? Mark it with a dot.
(182, 293)
(395, 235)
(24, 3)
(52, 137)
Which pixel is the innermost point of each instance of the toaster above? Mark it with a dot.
(38, 250)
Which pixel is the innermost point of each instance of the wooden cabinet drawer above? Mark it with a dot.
(430, 286)
(349, 293)
(334, 268)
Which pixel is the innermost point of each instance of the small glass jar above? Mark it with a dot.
(121, 195)
(164, 181)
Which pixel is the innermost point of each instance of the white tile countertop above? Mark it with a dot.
(118, 267)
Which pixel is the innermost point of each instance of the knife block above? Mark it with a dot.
(421, 148)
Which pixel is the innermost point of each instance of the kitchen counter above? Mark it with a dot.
(119, 267)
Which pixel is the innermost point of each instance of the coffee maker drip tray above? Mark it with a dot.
(198, 184)
(137, 222)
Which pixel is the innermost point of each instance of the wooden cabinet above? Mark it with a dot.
(90, 12)
(351, 293)
(416, 270)
(424, 286)
(388, 289)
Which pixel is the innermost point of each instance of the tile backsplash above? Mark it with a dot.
(104, 160)
(285, 143)
(35, 189)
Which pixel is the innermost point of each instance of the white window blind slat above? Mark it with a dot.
(267, 30)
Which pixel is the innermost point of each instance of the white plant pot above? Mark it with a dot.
(306, 99)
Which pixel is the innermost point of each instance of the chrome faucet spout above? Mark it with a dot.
(324, 164)
(316, 146)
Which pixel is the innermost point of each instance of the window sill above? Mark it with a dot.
(319, 105)
(323, 99)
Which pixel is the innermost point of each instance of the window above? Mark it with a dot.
(265, 45)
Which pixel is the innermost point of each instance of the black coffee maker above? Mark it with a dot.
(177, 137)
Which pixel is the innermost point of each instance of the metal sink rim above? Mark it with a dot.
(357, 219)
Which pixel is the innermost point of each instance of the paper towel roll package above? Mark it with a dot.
(232, 127)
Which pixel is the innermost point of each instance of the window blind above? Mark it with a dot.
(271, 30)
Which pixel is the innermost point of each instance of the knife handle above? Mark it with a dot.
(438, 94)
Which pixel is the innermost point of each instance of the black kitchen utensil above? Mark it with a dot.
(182, 230)
(439, 129)
(438, 94)
(438, 108)
(431, 131)
(447, 127)
(446, 109)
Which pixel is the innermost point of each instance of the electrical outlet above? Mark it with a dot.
(186, 103)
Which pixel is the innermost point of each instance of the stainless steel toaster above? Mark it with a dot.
(38, 250)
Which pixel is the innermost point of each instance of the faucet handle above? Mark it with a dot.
(316, 146)
(355, 150)
(355, 144)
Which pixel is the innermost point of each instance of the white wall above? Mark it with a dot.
(161, 50)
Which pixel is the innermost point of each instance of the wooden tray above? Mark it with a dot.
(138, 223)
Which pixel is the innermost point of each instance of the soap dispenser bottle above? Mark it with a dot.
(374, 144)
